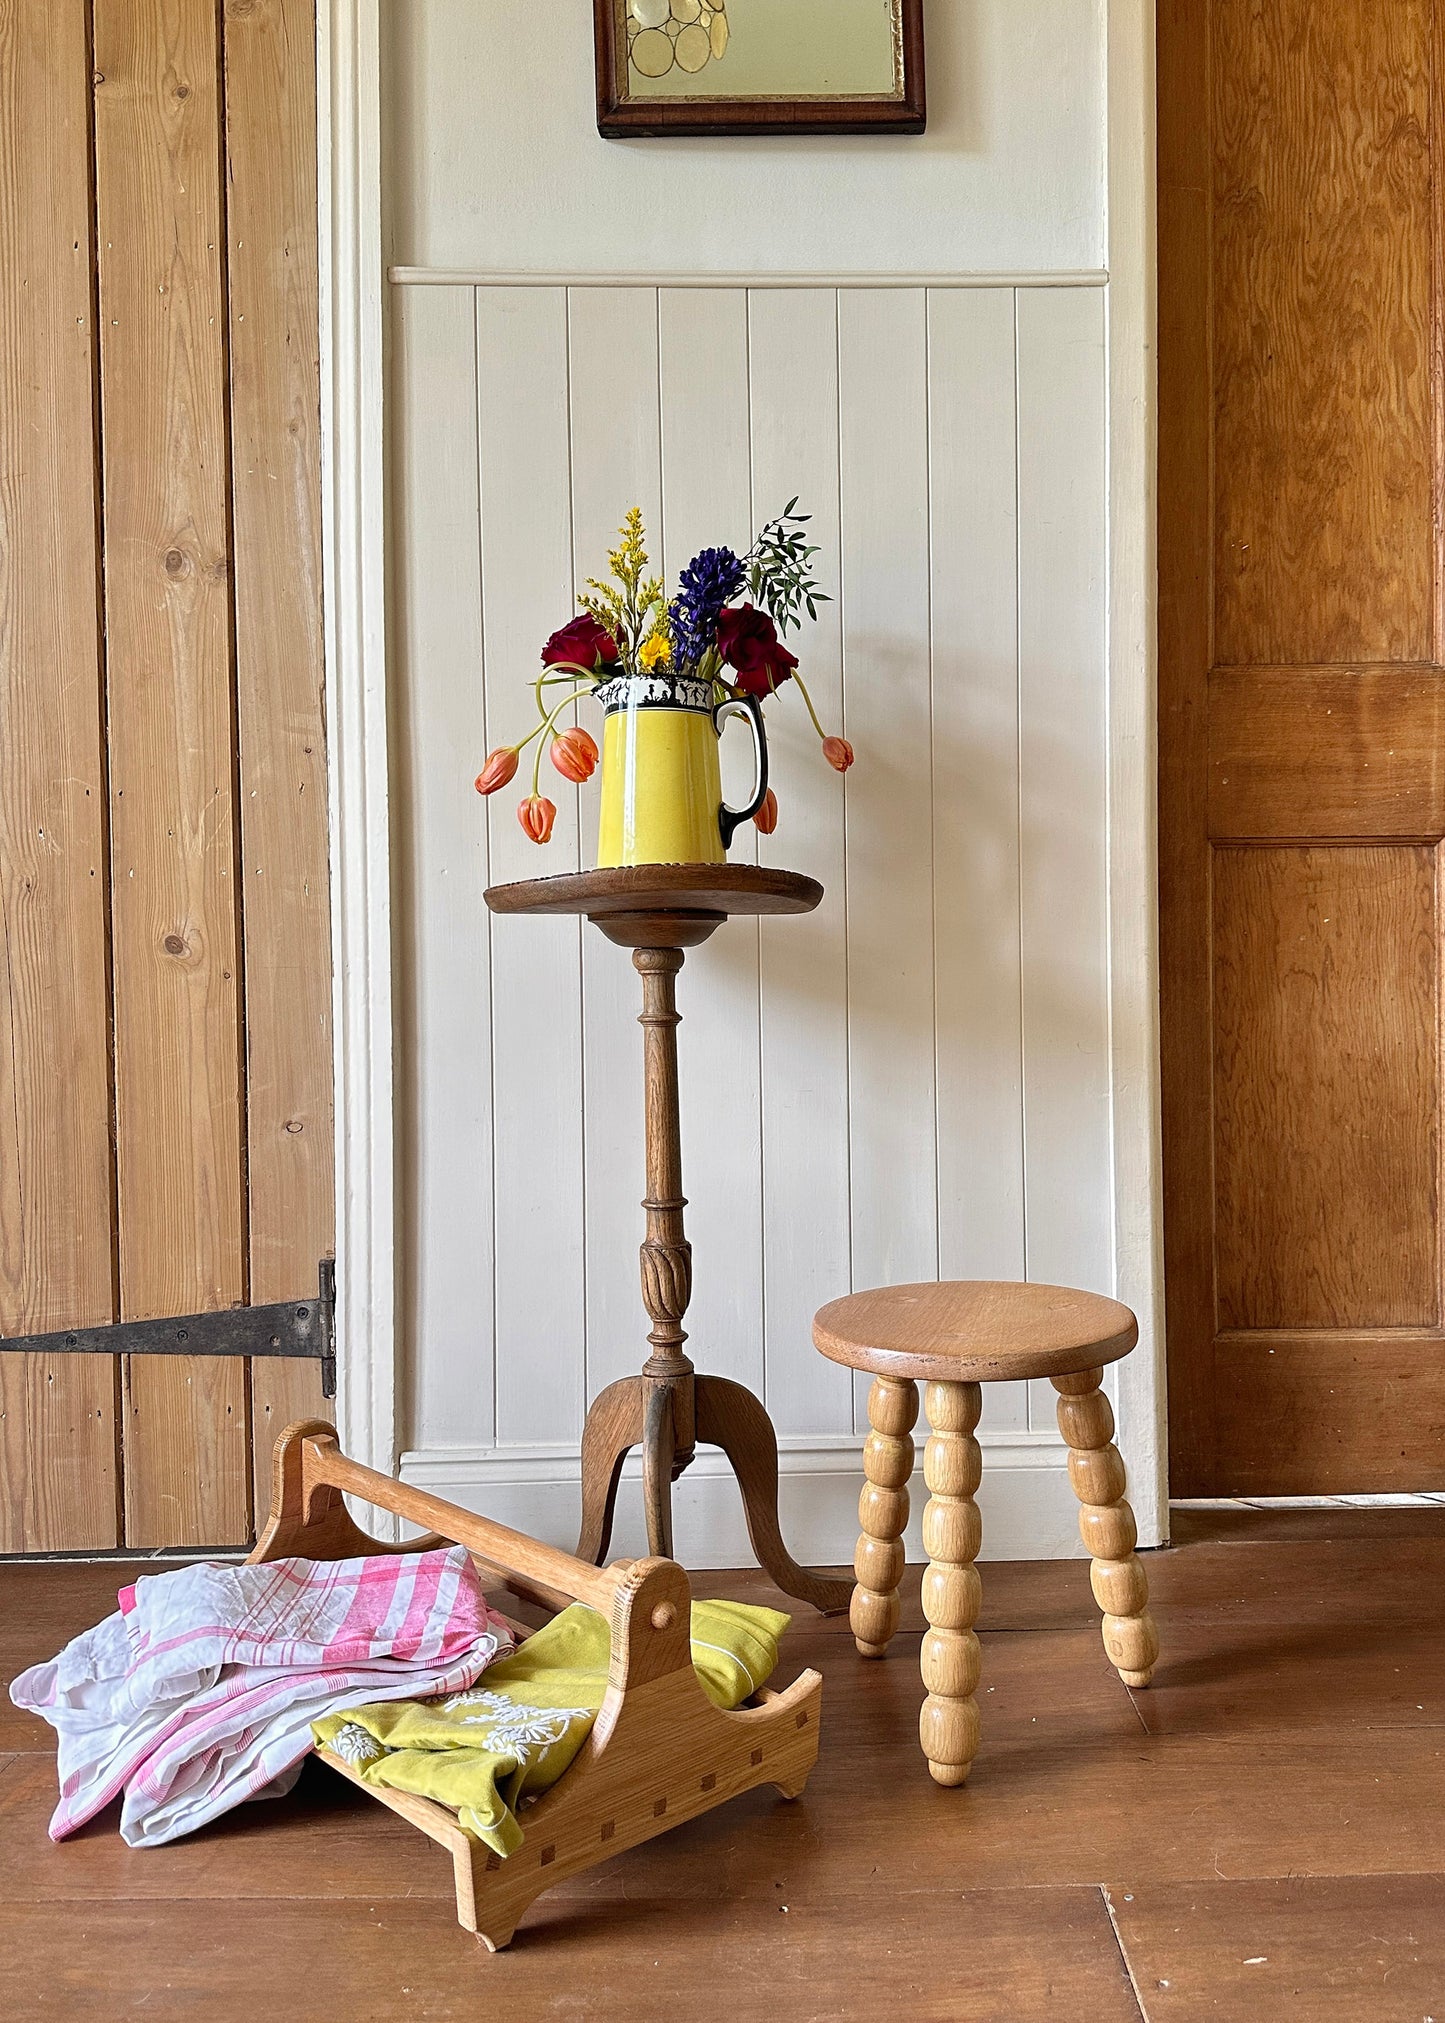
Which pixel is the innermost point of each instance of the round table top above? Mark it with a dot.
(661, 888)
(661, 905)
(974, 1331)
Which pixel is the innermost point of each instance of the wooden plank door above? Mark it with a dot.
(1302, 769)
(165, 970)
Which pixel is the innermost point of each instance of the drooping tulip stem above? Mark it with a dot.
(808, 700)
(560, 670)
(538, 728)
(540, 732)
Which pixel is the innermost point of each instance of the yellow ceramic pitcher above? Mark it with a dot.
(661, 782)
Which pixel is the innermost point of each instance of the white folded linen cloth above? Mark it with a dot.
(200, 1691)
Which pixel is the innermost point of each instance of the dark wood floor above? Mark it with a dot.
(1260, 1835)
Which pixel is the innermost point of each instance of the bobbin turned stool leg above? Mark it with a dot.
(952, 1465)
(1106, 1525)
(883, 1513)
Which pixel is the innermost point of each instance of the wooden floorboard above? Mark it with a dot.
(1275, 1523)
(1260, 1833)
(948, 1958)
(1330, 1949)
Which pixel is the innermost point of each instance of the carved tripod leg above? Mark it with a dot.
(730, 1417)
(659, 1449)
(952, 1464)
(614, 1425)
(1106, 1525)
(883, 1513)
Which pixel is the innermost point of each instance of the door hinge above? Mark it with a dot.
(303, 1328)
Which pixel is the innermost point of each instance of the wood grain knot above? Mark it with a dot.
(174, 945)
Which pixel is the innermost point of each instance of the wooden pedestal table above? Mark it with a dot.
(658, 911)
(954, 1338)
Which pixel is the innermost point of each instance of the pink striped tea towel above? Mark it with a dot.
(200, 1693)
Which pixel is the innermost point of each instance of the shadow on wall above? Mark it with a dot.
(1015, 887)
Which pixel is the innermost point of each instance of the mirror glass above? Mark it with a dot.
(762, 48)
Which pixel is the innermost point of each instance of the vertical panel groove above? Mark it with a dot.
(1019, 798)
(860, 1419)
(932, 768)
(223, 341)
(117, 1367)
(238, 910)
(757, 925)
(489, 732)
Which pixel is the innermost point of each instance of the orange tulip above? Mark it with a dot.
(574, 754)
(501, 766)
(536, 815)
(839, 754)
(766, 818)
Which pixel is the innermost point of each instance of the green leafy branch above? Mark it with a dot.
(779, 566)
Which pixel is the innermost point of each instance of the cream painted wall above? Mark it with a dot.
(496, 161)
(948, 1069)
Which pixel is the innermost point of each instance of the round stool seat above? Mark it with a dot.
(974, 1331)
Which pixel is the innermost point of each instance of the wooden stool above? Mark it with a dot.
(955, 1338)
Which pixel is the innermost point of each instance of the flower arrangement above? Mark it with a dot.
(628, 626)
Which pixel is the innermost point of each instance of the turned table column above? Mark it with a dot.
(669, 1414)
(659, 911)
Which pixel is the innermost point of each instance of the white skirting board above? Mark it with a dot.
(1029, 1510)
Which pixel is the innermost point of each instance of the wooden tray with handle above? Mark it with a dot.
(660, 1752)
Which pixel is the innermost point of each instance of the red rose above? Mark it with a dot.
(583, 643)
(748, 642)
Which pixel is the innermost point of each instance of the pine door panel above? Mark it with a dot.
(1302, 763)
(271, 271)
(55, 1168)
(1366, 748)
(172, 750)
(165, 1044)
(1323, 302)
(1326, 1091)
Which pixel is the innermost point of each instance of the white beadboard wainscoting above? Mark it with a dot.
(913, 1082)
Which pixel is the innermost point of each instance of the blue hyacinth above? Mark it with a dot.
(703, 588)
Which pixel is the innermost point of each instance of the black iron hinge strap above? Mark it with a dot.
(301, 1328)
